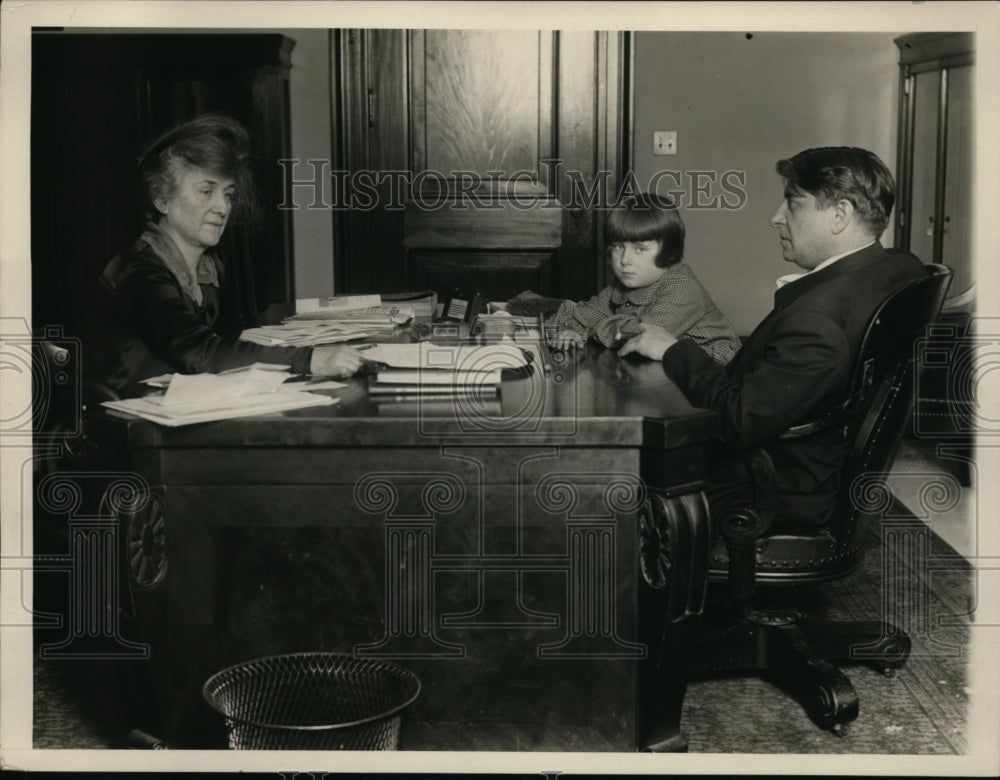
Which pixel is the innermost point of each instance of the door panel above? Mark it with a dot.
(477, 144)
(481, 102)
(503, 275)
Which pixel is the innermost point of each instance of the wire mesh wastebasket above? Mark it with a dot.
(312, 701)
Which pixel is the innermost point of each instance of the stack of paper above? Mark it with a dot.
(319, 321)
(194, 398)
(423, 304)
(387, 316)
(454, 357)
(337, 303)
(442, 368)
(310, 334)
(406, 381)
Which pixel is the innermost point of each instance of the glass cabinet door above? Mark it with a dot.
(936, 156)
(924, 93)
(958, 202)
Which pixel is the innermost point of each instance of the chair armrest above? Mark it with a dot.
(743, 525)
(750, 522)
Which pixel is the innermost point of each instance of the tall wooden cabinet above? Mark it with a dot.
(96, 100)
(934, 220)
(936, 155)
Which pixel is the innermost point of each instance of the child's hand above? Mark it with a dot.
(567, 339)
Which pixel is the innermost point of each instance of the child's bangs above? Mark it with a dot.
(638, 224)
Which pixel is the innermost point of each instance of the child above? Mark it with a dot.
(645, 240)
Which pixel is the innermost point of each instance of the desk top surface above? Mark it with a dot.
(587, 398)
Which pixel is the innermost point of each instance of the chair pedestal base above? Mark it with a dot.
(797, 652)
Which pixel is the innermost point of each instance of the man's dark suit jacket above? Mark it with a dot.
(794, 368)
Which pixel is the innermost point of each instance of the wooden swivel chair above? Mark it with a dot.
(795, 649)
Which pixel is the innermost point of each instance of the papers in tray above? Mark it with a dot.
(310, 334)
(374, 315)
(423, 303)
(332, 325)
(338, 303)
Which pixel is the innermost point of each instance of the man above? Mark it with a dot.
(797, 363)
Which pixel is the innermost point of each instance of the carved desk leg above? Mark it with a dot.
(674, 564)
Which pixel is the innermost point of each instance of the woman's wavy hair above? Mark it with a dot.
(213, 142)
(648, 217)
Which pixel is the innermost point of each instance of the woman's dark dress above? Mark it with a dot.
(150, 325)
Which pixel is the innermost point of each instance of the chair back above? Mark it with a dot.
(882, 395)
(877, 410)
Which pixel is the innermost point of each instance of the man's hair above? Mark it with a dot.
(648, 217)
(833, 173)
(218, 144)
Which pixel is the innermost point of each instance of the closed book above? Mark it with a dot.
(376, 388)
(438, 377)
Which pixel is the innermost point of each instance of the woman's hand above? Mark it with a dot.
(651, 341)
(338, 361)
(567, 339)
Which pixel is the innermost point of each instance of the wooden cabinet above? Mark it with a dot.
(478, 159)
(934, 220)
(96, 99)
(936, 155)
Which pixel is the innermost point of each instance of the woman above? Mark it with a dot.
(162, 296)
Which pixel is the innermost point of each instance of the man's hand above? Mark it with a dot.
(567, 339)
(651, 341)
(338, 361)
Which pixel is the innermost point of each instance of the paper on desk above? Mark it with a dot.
(257, 367)
(321, 384)
(208, 389)
(464, 357)
(163, 380)
(153, 408)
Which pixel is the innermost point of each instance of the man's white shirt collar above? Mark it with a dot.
(788, 278)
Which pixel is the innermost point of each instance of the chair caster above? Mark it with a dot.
(836, 700)
(891, 672)
(840, 729)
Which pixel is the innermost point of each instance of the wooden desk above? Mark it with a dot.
(495, 551)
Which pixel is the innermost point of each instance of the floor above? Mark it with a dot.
(927, 485)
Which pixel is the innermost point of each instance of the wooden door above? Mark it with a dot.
(477, 159)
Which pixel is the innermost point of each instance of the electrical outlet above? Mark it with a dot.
(665, 142)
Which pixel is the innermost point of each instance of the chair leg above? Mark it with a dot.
(797, 652)
(872, 642)
(824, 690)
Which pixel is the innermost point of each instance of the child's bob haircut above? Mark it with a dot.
(648, 217)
